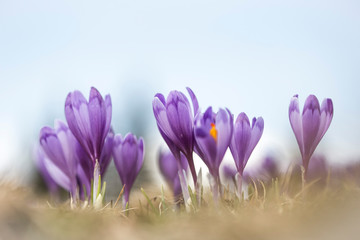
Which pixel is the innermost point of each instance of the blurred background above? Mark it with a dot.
(249, 56)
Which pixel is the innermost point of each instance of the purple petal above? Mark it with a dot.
(224, 126)
(57, 175)
(311, 124)
(193, 100)
(40, 164)
(128, 156)
(296, 122)
(106, 153)
(240, 141)
(162, 119)
(256, 133)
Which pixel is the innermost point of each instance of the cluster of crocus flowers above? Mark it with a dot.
(76, 155)
(310, 126)
(209, 134)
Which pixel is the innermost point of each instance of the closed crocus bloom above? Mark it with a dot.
(310, 126)
(169, 169)
(128, 156)
(89, 121)
(61, 161)
(245, 138)
(175, 121)
(213, 133)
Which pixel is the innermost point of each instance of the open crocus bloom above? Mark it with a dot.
(128, 156)
(213, 133)
(310, 126)
(175, 122)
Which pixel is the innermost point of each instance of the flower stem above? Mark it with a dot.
(96, 181)
(239, 185)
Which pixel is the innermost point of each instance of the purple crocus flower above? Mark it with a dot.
(61, 161)
(310, 127)
(243, 142)
(213, 133)
(169, 169)
(175, 122)
(245, 139)
(128, 156)
(89, 121)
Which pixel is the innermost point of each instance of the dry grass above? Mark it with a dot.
(330, 212)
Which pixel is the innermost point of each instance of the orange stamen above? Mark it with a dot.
(213, 132)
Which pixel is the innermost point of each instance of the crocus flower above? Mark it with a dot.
(245, 138)
(311, 125)
(61, 159)
(175, 122)
(169, 169)
(213, 133)
(89, 121)
(128, 156)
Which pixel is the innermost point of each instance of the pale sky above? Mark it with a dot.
(249, 56)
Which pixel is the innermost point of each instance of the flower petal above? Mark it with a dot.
(296, 122)
(193, 100)
(311, 124)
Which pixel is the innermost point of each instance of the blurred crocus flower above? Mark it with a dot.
(310, 126)
(245, 138)
(128, 156)
(61, 158)
(169, 169)
(270, 168)
(175, 122)
(213, 133)
(90, 121)
(40, 159)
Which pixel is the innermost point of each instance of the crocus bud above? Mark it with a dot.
(311, 125)
(128, 156)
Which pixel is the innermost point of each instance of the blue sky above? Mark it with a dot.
(249, 56)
